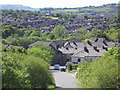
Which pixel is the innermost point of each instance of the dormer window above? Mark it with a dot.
(76, 48)
(95, 48)
(79, 60)
(86, 50)
(105, 43)
(74, 43)
(96, 40)
(105, 48)
(89, 43)
(67, 48)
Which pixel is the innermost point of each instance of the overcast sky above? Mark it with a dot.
(58, 3)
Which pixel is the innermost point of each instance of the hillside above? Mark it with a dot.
(15, 7)
(88, 10)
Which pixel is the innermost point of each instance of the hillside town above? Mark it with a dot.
(57, 48)
(101, 22)
(76, 51)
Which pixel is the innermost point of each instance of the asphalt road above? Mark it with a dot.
(64, 80)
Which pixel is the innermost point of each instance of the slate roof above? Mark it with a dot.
(77, 48)
(57, 44)
(60, 43)
(94, 48)
(92, 52)
(69, 50)
(41, 42)
(8, 46)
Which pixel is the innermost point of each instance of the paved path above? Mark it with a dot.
(64, 80)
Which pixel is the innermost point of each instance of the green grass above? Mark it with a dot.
(70, 10)
(51, 86)
(74, 70)
(51, 17)
(65, 11)
(95, 9)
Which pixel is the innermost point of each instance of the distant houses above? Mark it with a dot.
(74, 50)
(47, 24)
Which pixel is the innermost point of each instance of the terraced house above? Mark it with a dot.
(75, 51)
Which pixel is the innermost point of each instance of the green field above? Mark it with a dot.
(64, 11)
(51, 17)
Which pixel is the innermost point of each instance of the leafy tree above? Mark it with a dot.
(59, 31)
(35, 33)
(81, 33)
(113, 34)
(8, 30)
(44, 52)
(86, 40)
(21, 70)
(102, 73)
(97, 33)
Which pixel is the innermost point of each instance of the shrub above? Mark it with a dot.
(69, 66)
(13, 74)
(39, 75)
(102, 73)
(21, 70)
(75, 65)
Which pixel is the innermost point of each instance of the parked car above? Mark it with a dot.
(63, 69)
(56, 67)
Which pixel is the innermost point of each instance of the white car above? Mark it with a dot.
(56, 67)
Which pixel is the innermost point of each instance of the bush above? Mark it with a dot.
(13, 74)
(69, 66)
(102, 73)
(41, 51)
(22, 70)
(75, 65)
(39, 75)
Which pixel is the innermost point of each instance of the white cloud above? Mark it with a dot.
(58, 3)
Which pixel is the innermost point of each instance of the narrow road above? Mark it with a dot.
(64, 80)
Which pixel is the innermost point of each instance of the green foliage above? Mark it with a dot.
(23, 70)
(75, 65)
(86, 40)
(41, 51)
(21, 41)
(113, 34)
(69, 66)
(35, 33)
(13, 74)
(97, 33)
(102, 73)
(83, 34)
(40, 76)
(7, 30)
(59, 31)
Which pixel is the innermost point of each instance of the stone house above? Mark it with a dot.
(74, 50)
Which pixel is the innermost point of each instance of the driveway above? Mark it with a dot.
(64, 80)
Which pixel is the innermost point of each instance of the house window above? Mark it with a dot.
(76, 48)
(68, 60)
(63, 56)
(79, 60)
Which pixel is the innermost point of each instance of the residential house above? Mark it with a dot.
(74, 50)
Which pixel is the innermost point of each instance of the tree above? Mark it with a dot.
(35, 33)
(23, 70)
(102, 73)
(59, 31)
(41, 51)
